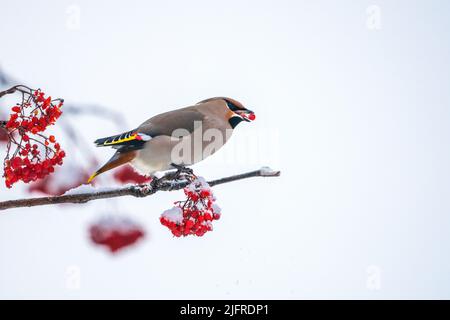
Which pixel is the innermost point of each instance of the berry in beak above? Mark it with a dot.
(247, 115)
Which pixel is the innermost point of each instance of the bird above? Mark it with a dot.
(176, 139)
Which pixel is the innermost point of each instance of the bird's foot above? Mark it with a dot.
(182, 172)
(182, 168)
(155, 183)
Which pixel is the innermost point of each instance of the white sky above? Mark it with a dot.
(356, 119)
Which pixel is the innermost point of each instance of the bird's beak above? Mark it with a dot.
(247, 115)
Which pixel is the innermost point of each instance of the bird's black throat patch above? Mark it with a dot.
(234, 121)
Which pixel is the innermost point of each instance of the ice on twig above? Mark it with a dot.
(267, 171)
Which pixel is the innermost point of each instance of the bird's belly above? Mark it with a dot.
(146, 167)
(152, 158)
(160, 152)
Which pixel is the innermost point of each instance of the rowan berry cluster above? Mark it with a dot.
(126, 174)
(115, 233)
(31, 155)
(195, 215)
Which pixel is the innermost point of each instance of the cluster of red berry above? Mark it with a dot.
(115, 233)
(72, 175)
(43, 112)
(68, 177)
(195, 215)
(26, 170)
(126, 174)
(35, 155)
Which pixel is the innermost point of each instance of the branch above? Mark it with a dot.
(166, 183)
(17, 88)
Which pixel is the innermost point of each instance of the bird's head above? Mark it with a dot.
(233, 110)
(238, 112)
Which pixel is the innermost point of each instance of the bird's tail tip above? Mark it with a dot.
(92, 177)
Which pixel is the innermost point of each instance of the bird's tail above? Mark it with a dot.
(118, 159)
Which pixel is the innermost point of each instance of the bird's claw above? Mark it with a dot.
(182, 172)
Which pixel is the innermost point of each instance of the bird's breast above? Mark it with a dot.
(160, 152)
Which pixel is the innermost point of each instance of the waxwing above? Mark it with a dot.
(176, 138)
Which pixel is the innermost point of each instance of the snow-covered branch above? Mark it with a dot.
(167, 183)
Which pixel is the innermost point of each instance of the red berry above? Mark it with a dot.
(16, 162)
(205, 193)
(208, 217)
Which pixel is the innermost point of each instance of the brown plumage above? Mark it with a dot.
(150, 147)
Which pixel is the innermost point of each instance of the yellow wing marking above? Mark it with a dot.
(121, 140)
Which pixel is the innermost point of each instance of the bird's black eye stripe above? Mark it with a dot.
(231, 106)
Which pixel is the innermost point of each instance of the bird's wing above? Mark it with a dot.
(131, 138)
(168, 123)
(162, 124)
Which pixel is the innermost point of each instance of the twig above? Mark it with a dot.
(163, 184)
(19, 88)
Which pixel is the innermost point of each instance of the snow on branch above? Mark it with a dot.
(168, 182)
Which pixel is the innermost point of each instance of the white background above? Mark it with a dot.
(355, 116)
